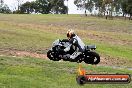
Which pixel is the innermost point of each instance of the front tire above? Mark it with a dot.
(92, 58)
(52, 55)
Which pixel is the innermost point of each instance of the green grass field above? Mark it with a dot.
(35, 33)
(16, 72)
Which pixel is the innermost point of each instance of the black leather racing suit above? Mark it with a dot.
(79, 46)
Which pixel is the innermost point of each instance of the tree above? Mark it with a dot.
(25, 8)
(127, 7)
(124, 6)
(1, 2)
(44, 7)
(100, 5)
(117, 5)
(57, 6)
(19, 4)
(67, 6)
(103, 6)
(84, 4)
(4, 7)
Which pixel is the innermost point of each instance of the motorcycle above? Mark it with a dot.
(89, 56)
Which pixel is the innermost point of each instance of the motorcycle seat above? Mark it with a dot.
(91, 47)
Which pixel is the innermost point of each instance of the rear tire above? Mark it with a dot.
(92, 58)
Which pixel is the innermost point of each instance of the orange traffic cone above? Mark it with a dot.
(81, 71)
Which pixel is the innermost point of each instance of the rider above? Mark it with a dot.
(75, 41)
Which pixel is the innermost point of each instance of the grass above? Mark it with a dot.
(24, 39)
(20, 72)
(35, 33)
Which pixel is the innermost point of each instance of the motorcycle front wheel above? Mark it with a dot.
(52, 55)
(92, 58)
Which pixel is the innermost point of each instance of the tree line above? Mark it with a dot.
(38, 6)
(106, 7)
(43, 7)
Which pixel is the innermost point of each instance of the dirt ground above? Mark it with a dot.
(23, 54)
(104, 60)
